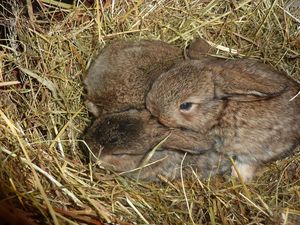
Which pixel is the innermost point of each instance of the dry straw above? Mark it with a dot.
(45, 50)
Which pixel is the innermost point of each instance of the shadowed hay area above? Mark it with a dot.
(46, 49)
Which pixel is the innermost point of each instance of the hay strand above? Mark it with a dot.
(46, 48)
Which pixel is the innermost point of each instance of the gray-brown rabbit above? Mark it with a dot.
(123, 141)
(119, 80)
(121, 75)
(245, 105)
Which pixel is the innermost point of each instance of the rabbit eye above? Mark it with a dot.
(186, 106)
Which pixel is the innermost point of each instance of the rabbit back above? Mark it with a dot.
(121, 74)
(245, 104)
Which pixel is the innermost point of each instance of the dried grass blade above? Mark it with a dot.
(136, 210)
(44, 81)
(255, 205)
(246, 190)
(58, 4)
(183, 189)
(8, 83)
(51, 178)
(28, 160)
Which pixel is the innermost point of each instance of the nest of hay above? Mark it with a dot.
(45, 49)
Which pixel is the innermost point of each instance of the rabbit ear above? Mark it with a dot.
(197, 49)
(245, 80)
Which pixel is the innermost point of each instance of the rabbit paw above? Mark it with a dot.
(244, 171)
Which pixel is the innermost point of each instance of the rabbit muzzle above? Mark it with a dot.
(167, 121)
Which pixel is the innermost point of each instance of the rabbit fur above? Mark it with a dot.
(124, 131)
(121, 75)
(123, 141)
(244, 104)
(135, 130)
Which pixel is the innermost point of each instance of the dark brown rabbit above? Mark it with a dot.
(124, 141)
(245, 104)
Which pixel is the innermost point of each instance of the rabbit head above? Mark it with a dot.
(123, 142)
(193, 93)
(125, 130)
(245, 103)
(182, 97)
(133, 131)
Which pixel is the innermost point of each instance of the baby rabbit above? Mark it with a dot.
(123, 141)
(136, 130)
(123, 72)
(121, 75)
(118, 81)
(245, 105)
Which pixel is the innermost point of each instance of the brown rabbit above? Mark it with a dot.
(245, 104)
(119, 80)
(121, 75)
(123, 141)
